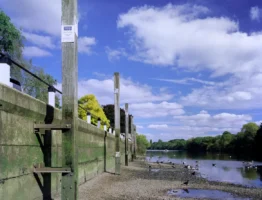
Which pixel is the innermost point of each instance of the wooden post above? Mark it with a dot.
(132, 139)
(117, 124)
(69, 188)
(126, 135)
(135, 147)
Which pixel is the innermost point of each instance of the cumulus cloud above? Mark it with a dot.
(35, 15)
(39, 40)
(130, 92)
(157, 126)
(151, 110)
(198, 125)
(186, 37)
(33, 51)
(255, 13)
(115, 54)
(139, 127)
(222, 120)
(85, 43)
(235, 93)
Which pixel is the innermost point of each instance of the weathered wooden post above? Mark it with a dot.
(132, 138)
(126, 134)
(117, 123)
(69, 35)
(135, 147)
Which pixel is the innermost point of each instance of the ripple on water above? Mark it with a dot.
(199, 193)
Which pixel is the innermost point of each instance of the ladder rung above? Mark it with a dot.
(52, 170)
(52, 126)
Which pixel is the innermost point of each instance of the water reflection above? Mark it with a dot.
(197, 193)
(228, 168)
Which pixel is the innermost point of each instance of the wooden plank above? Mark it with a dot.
(52, 126)
(52, 170)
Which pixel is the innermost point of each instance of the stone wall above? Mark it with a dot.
(21, 148)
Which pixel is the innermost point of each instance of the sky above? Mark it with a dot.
(187, 68)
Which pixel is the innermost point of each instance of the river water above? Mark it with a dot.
(228, 168)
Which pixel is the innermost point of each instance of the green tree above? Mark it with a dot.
(142, 144)
(89, 103)
(11, 39)
(258, 143)
(225, 140)
(11, 42)
(109, 111)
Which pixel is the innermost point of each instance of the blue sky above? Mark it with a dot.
(188, 68)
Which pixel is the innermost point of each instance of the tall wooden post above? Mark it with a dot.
(135, 147)
(117, 123)
(69, 188)
(132, 138)
(126, 135)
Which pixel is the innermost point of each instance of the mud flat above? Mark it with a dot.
(162, 182)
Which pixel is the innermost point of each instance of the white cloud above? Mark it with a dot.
(115, 54)
(157, 126)
(85, 43)
(33, 51)
(184, 36)
(198, 125)
(187, 81)
(151, 110)
(139, 127)
(222, 120)
(235, 93)
(255, 13)
(35, 15)
(39, 40)
(130, 92)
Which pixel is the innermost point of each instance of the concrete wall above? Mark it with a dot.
(21, 148)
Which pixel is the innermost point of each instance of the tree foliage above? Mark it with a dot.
(11, 39)
(89, 103)
(248, 141)
(142, 143)
(109, 111)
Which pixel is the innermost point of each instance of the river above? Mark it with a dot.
(228, 168)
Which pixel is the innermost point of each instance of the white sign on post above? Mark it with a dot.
(68, 33)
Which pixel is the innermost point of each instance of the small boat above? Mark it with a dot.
(166, 150)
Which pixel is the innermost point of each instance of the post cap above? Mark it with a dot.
(51, 89)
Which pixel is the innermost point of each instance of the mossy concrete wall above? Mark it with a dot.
(21, 148)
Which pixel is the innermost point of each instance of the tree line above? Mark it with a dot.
(248, 141)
